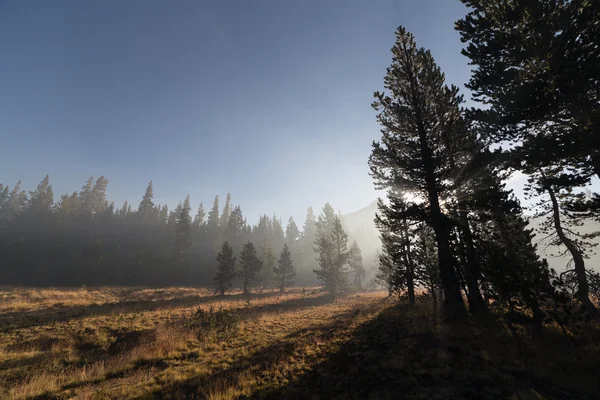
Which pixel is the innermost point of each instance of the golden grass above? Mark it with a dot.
(120, 343)
(128, 342)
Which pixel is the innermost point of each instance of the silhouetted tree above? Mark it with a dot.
(199, 218)
(146, 207)
(422, 130)
(333, 257)
(269, 262)
(284, 272)
(226, 211)
(225, 269)
(357, 269)
(183, 226)
(536, 69)
(250, 266)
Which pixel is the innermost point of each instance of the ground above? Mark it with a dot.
(139, 343)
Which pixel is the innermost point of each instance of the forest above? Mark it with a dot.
(82, 239)
(141, 301)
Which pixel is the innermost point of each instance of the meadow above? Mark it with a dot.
(186, 343)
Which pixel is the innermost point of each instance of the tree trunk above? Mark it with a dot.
(454, 307)
(410, 281)
(434, 298)
(476, 303)
(583, 292)
(596, 163)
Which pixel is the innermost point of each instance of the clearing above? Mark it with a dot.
(120, 343)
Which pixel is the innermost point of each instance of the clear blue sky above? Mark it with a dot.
(267, 99)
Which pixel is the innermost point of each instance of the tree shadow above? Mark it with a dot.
(271, 355)
(402, 353)
(61, 313)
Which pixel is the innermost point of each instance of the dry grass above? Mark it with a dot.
(119, 343)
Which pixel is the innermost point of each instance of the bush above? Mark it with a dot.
(220, 322)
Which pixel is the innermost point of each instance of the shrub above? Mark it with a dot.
(220, 322)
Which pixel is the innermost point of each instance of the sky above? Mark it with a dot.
(266, 99)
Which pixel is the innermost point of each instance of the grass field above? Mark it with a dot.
(153, 343)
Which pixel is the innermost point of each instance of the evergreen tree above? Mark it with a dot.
(234, 233)
(213, 215)
(324, 223)
(183, 226)
(307, 241)
(422, 135)
(277, 234)
(397, 260)
(355, 262)
(99, 203)
(269, 262)
(536, 69)
(250, 266)
(41, 200)
(15, 205)
(146, 207)
(225, 269)
(560, 227)
(86, 199)
(226, 211)
(284, 272)
(292, 234)
(333, 257)
(199, 218)
(163, 215)
(426, 272)
(294, 239)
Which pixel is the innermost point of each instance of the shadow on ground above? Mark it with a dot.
(63, 313)
(404, 354)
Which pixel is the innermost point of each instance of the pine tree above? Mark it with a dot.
(41, 200)
(397, 259)
(226, 211)
(225, 269)
(98, 198)
(234, 231)
(292, 234)
(146, 207)
(422, 135)
(355, 262)
(560, 227)
(163, 215)
(183, 226)
(67, 207)
(425, 256)
(86, 200)
(277, 238)
(333, 257)
(15, 205)
(284, 272)
(250, 266)
(307, 242)
(4, 196)
(199, 218)
(294, 239)
(269, 262)
(324, 223)
(536, 70)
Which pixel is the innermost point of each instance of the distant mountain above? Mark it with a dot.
(360, 225)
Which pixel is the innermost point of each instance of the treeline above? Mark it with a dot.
(449, 225)
(82, 239)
